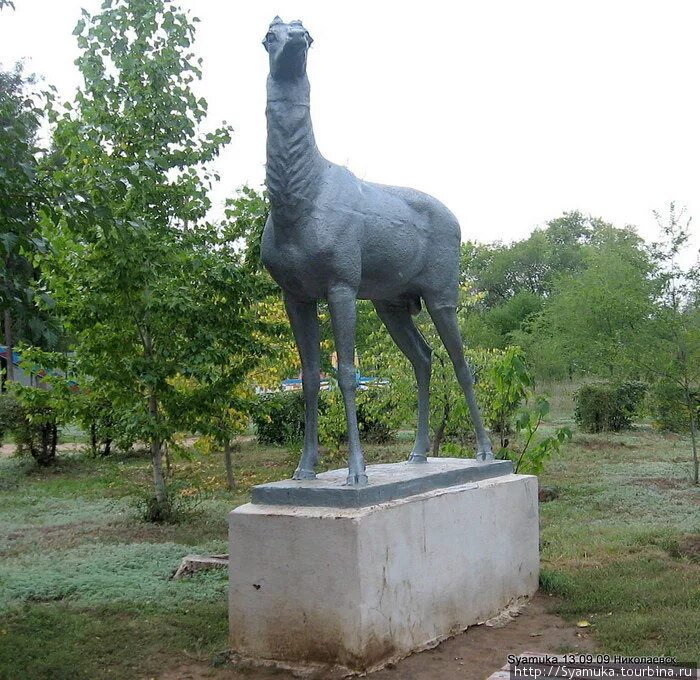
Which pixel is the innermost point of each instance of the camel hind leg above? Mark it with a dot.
(397, 319)
(445, 320)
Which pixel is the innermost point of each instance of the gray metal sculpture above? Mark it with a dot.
(332, 236)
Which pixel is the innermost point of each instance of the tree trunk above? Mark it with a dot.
(230, 479)
(694, 442)
(54, 441)
(439, 435)
(10, 375)
(691, 405)
(93, 439)
(42, 445)
(158, 479)
(156, 451)
(156, 442)
(168, 463)
(440, 432)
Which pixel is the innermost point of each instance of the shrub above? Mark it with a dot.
(332, 429)
(99, 417)
(449, 416)
(40, 411)
(533, 453)
(667, 404)
(32, 421)
(37, 433)
(510, 382)
(174, 508)
(631, 395)
(279, 418)
(376, 416)
(11, 414)
(608, 407)
(502, 384)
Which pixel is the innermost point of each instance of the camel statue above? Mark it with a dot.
(331, 236)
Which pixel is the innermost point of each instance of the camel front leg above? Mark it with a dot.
(303, 317)
(343, 309)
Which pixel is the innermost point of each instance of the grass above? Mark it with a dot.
(619, 544)
(61, 641)
(85, 589)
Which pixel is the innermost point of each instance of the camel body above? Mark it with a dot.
(386, 243)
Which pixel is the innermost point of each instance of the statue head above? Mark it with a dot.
(287, 45)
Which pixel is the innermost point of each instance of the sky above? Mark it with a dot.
(509, 111)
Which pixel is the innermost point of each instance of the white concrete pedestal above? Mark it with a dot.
(360, 587)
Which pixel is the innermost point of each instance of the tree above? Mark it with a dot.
(215, 396)
(21, 194)
(592, 317)
(246, 215)
(132, 248)
(670, 351)
(43, 409)
(513, 281)
(500, 272)
(508, 318)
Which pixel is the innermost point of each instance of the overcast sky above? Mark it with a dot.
(508, 111)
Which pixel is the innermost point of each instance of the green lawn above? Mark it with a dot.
(621, 543)
(85, 589)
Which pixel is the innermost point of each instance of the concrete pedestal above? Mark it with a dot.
(358, 587)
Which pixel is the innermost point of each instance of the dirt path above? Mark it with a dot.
(7, 450)
(473, 655)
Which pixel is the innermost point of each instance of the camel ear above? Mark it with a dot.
(311, 40)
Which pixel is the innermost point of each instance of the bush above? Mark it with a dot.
(99, 417)
(174, 508)
(608, 407)
(376, 414)
(32, 421)
(279, 418)
(11, 414)
(631, 394)
(510, 383)
(502, 383)
(37, 434)
(668, 408)
(42, 410)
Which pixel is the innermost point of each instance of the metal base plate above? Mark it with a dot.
(387, 482)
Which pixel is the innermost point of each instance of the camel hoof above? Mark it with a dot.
(484, 456)
(356, 479)
(418, 458)
(301, 473)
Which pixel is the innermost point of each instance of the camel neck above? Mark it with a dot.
(293, 160)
